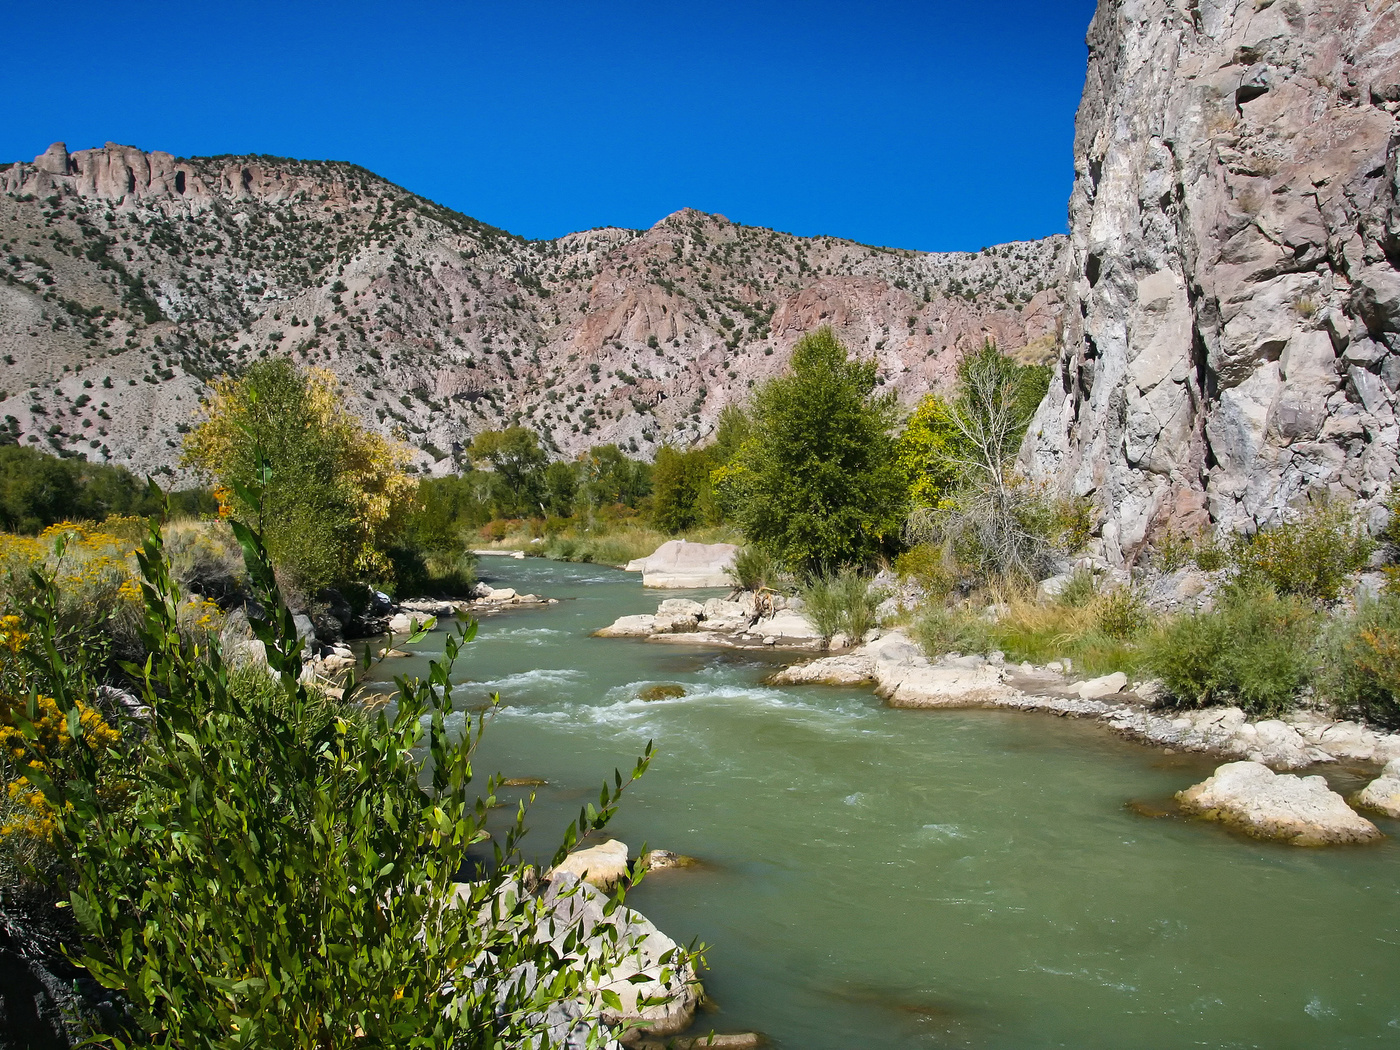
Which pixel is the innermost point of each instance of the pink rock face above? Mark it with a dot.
(1232, 326)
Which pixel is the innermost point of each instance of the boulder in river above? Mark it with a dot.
(1302, 811)
(1382, 794)
(679, 563)
(652, 967)
(603, 865)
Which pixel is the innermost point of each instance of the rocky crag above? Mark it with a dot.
(129, 279)
(1232, 302)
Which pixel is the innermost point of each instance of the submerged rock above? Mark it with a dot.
(1302, 811)
(1382, 794)
(663, 859)
(661, 691)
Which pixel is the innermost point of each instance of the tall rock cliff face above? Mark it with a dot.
(129, 279)
(1232, 313)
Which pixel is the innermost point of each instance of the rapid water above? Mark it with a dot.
(897, 879)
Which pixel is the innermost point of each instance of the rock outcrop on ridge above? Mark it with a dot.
(1232, 314)
(129, 279)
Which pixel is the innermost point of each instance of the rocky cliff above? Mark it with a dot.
(129, 279)
(1232, 314)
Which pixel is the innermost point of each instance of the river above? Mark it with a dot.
(892, 879)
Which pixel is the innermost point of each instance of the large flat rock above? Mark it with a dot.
(679, 563)
(1302, 811)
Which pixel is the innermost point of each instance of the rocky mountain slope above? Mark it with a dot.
(129, 279)
(1232, 313)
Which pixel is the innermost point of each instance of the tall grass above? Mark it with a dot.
(1098, 637)
(844, 603)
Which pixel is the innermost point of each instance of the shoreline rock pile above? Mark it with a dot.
(904, 677)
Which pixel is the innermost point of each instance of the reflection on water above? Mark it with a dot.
(899, 879)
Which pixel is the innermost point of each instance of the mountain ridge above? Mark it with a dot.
(144, 275)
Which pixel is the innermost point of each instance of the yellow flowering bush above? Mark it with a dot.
(25, 811)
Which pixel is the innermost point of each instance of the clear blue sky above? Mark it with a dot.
(933, 125)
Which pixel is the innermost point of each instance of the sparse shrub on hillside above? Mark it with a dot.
(1311, 556)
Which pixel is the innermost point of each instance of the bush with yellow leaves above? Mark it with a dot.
(328, 512)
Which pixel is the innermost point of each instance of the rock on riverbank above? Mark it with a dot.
(905, 677)
(1302, 811)
(1382, 795)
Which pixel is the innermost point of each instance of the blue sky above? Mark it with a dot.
(931, 125)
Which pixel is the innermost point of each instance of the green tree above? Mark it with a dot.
(615, 479)
(561, 488)
(332, 508)
(681, 497)
(518, 463)
(816, 480)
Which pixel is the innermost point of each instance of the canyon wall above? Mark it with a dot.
(1231, 338)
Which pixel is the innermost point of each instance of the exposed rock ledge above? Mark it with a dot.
(901, 674)
(740, 623)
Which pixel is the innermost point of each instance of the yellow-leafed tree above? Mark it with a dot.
(332, 500)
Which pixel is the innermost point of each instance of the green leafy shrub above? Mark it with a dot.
(1310, 557)
(265, 870)
(1121, 613)
(1254, 649)
(1360, 668)
(927, 565)
(1081, 589)
(941, 630)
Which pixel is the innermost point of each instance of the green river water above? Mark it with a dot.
(897, 879)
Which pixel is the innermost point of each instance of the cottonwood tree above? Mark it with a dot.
(815, 480)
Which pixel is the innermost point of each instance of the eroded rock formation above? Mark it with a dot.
(1232, 317)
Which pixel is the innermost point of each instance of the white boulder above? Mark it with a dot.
(639, 626)
(1107, 685)
(1382, 794)
(603, 865)
(1302, 811)
(679, 563)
